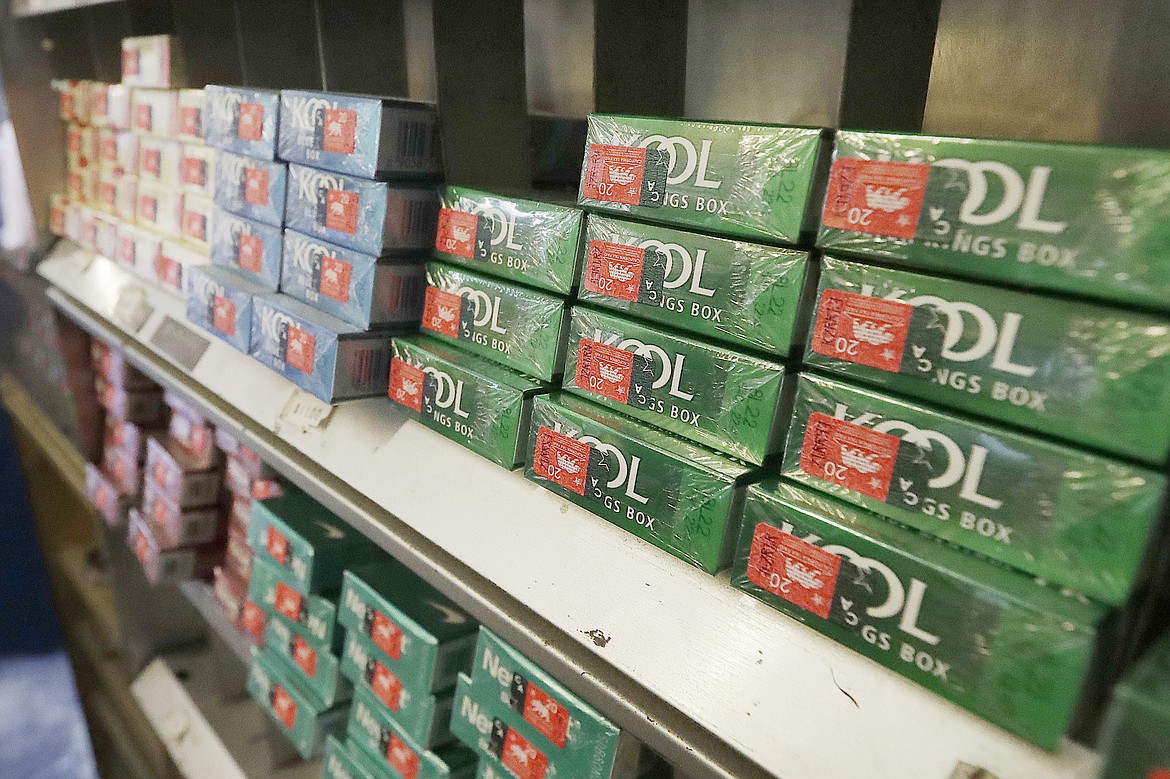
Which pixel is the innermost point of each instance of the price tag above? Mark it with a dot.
(305, 411)
(180, 343)
(131, 308)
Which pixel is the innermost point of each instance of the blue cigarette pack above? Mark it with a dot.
(357, 288)
(220, 302)
(321, 354)
(242, 120)
(249, 248)
(356, 134)
(372, 217)
(251, 187)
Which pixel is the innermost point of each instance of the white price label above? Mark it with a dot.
(305, 411)
(131, 308)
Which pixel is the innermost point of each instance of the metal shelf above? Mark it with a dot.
(26, 8)
(716, 682)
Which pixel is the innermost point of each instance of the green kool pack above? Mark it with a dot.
(305, 720)
(510, 324)
(425, 718)
(475, 402)
(305, 538)
(703, 392)
(678, 496)
(1089, 220)
(572, 734)
(1092, 375)
(983, 636)
(420, 635)
(320, 671)
(1069, 517)
(374, 734)
(1135, 742)
(519, 240)
(744, 294)
(744, 180)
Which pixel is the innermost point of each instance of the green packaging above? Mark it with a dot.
(313, 617)
(374, 734)
(1089, 220)
(304, 719)
(1092, 375)
(344, 762)
(744, 180)
(678, 496)
(983, 636)
(306, 539)
(475, 402)
(1135, 738)
(419, 634)
(319, 671)
(518, 693)
(512, 325)
(1056, 512)
(426, 718)
(744, 294)
(703, 392)
(516, 239)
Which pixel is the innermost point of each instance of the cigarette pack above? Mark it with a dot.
(748, 181)
(195, 221)
(473, 401)
(514, 325)
(158, 160)
(111, 502)
(159, 207)
(251, 187)
(1073, 218)
(1096, 376)
(354, 287)
(220, 302)
(154, 112)
(301, 715)
(319, 671)
(175, 475)
(988, 638)
(175, 527)
(680, 497)
(152, 61)
(240, 120)
(322, 355)
(516, 239)
(358, 135)
(373, 732)
(704, 392)
(118, 152)
(190, 126)
(197, 165)
(1134, 736)
(247, 247)
(372, 217)
(171, 565)
(312, 617)
(110, 106)
(740, 293)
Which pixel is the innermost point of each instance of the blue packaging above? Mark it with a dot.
(242, 120)
(251, 187)
(220, 302)
(372, 217)
(249, 248)
(357, 288)
(356, 134)
(319, 353)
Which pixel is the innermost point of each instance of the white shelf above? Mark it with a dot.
(715, 681)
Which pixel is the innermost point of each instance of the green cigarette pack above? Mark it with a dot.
(1095, 376)
(373, 732)
(701, 391)
(313, 617)
(312, 543)
(1088, 220)
(678, 496)
(473, 401)
(1136, 734)
(304, 719)
(988, 638)
(417, 632)
(513, 325)
(1053, 511)
(744, 294)
(576, 737)
(516, 239)
(425, 717)
(320, 671)
(743, 180)
(342, 761)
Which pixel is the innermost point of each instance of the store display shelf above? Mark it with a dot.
(203, 599)
(25, 8)
(716, 682)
